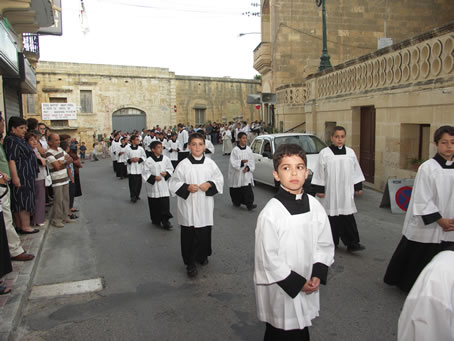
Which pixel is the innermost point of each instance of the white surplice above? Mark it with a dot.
(236, 177)
(428, 312)
(209, 146)
(285, 243)
(183, 139)
(153, 168)
(433, 192)
(197, 209)
(132, 152)
(115, 149)
(338, 174)
(172, 148)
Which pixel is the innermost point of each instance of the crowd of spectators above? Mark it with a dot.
(38, 169)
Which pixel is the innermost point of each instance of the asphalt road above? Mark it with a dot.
(148, 296)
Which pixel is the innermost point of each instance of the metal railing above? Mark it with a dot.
(31, 43)
(295, 127)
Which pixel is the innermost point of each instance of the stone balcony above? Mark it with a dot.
(262, 58)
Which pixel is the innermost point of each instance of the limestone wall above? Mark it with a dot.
(222, 98)
(165, 99)
(295, 30)
(410, 85)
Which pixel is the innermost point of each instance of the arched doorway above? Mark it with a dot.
(129, 119)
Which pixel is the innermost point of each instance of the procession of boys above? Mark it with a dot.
(297, 233)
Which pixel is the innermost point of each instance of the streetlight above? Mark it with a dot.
(324, 59)
(243, 34)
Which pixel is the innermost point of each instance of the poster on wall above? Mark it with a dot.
(59, 111)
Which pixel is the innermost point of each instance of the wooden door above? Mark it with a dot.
(367, 143)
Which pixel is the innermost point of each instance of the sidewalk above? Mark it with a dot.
(20, 281)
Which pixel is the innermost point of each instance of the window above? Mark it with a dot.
(310, 143)
(256, 146)
(86, 101)
(59, 123)
(199, 116)
(414, 145)
(31, 104)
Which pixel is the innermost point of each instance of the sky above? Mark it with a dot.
(188, 37)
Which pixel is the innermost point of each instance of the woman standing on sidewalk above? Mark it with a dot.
(23, 167)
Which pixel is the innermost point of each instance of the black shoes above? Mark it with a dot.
(355, 247)
(192, 271)
(251, 207)
(167, 225)
(134, 199)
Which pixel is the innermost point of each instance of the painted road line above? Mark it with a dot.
(66, 288)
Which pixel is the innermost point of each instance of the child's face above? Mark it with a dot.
(445, 146)
(338, 138)
(157, 150)
(292, 173)
(174, 138)
(197, 147)
(32, 142)
(243, 140)
(135, 141)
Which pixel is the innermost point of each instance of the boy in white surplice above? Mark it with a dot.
(157, 170)
(195, 181)
(337, 178)
(293, 250)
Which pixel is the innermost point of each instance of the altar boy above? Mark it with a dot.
(156, 173)
(337, 178)
(293, 250)
(195, 181)
(135, 156)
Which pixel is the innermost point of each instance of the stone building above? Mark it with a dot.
(21, 22)
(390, 100)
(291, 32)
(128, 97)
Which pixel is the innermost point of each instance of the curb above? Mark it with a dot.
(11, 313)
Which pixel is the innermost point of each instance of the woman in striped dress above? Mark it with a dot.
(24, 168)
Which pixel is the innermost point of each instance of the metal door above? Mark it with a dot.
(367, 143)
(12, 101)
(128, 120)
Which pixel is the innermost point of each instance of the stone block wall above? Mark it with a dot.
(222, 98)
(411, 87)
(353, 29)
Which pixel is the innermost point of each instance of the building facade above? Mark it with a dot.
(291, 43)
(20, 23)
(390, 100)
(125, 98)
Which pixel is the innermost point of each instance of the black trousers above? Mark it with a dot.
(135, 185)
(276, 334)
(195, 244)
(159, 209)
(114, 163)
(344, 227)
(242, 195)
(122, 170)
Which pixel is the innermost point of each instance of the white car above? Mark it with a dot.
(264, 146)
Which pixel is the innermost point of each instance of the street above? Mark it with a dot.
(148, 296)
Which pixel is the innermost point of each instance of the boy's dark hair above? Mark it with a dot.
(442, 130)
(241, 134)
(336, 128)
(288, 150)
(15, 121)
(133, 137)
(194, 136)
(32, 123)
(154, 144)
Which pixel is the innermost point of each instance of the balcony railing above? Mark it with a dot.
(31, 43)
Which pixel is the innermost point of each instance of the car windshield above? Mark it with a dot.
(311, 144)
